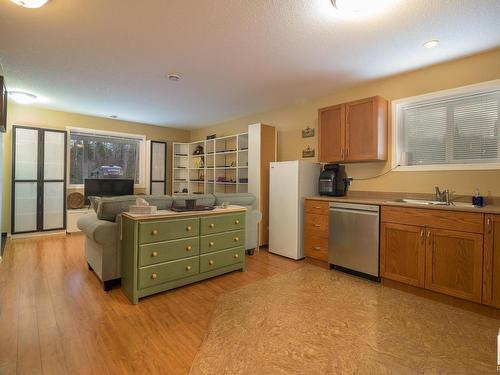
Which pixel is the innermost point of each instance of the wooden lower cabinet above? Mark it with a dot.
(316, 229)
(402, 253)
(421, 247)
(491, 267)
(454, 262)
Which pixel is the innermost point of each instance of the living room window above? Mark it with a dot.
(452, 129)
(96, 154)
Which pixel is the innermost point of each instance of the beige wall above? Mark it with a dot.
(290, 120)
(38, 117)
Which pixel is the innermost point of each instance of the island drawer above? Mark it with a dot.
(222, 223)
(159, 252)
(156, 231)
(220, 241)
(164, 272)
(316, 206)
(219, 259)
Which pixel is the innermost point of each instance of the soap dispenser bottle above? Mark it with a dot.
(477, 199)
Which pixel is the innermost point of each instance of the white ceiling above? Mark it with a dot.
(110, 57)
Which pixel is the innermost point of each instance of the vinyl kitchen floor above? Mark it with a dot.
(315, 321)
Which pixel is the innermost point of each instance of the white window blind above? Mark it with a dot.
(459, 129)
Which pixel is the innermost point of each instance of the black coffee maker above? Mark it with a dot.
(333, 180)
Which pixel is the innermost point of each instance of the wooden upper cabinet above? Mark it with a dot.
(354, 131)
(491, 267)
(402, 253)
(331, 133)
(454, 263)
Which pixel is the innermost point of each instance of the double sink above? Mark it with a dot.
(426, 202)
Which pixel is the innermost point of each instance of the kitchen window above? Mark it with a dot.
(449, 130)
(96, 154)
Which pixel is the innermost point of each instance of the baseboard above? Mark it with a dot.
(37, 234)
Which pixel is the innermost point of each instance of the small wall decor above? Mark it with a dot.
(212, 136)
(308, 152)
(308, 132)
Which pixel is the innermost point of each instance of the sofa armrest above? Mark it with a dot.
(101, 231)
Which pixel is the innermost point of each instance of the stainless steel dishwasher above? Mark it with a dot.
(353, 239)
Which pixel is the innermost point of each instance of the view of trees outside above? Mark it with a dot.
(94, 156)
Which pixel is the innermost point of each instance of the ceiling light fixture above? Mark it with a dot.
(174, 77)
(30, 3)
(354, 8)
(113, 116)
(22, 97)
(431, 43)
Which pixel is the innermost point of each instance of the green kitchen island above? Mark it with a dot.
(170, 249)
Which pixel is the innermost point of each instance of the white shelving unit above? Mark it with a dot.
(214, 165)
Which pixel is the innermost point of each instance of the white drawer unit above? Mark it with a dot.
(72, 217)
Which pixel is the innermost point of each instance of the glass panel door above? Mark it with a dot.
(26, 154)
(53, 205)
(54, 161)
(158, 161)
(25, 203)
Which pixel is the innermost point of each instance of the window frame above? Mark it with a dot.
(142, 153)
(398, 105)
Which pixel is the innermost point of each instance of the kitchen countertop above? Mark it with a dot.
(168, 214)
(492, 204)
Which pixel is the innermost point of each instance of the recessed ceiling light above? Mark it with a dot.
(30, 3)
(431, 43)
(113, 116)
(174, 77)
(353, 8)
(22, 97)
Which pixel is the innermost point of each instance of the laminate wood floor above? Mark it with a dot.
(56, 319)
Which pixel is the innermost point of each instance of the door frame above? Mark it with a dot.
(151, 181)
(40, 180)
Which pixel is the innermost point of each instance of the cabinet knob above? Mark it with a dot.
(236, 256)
(188, 228)
(211, 262)
(154, 232)
(188, 268)
(154, 276)
(154, 254)
(428, 233)
(188, 248)
(317, 207)
(317, 248)
(236, 239)
(211, 243)
(212, 225)
(316, 225)
(236, 221)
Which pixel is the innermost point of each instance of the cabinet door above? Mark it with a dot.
(402, 253)
(331, 133)
(491, 269)
(366, 129)
(454, 263)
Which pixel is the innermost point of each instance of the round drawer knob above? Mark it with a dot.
(211, 243)
(236, 256)
(188, 248)
(211, 262)
(154, 254)
(154, 276)
(236, 239)
(154, 232)
(188, 268)
(236, 222)
(188, 228)
(212, 225)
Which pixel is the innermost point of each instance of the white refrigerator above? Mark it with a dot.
(290, 182)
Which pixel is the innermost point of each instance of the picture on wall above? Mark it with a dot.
(308, 132)
(308, 152)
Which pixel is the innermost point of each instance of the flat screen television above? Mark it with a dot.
(3, 105)
(107, 187)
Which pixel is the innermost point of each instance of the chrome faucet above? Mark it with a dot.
(442, 196)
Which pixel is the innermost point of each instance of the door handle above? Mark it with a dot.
(488, 224)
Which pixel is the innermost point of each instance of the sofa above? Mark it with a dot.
(102, 227)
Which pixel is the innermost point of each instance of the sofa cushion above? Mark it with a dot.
(201, 200)
(240, 199)
(109, 207)
(94, 202)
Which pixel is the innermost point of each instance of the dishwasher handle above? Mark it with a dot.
(354, 207)
(351, 211)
